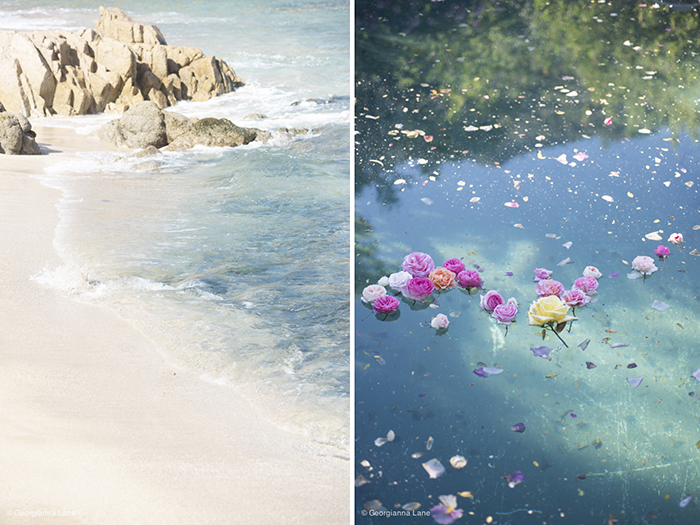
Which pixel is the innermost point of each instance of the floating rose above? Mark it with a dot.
(454, 265)
(676, 238)
(440, 322)
(442, 278)
(516, 478)
(541, 274)
(398, 280)
(418, 288)
(642, 266)
(587, 285)
(575, 297)
(505, 313)
(549, 312)
(592, 271)
(372, 292)
(385, 304)
(547, 287)
(662, 252)
(490, 301)
(469, 279)
(418, 264)
(447, 512)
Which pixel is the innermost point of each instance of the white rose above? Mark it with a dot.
(373, 292)
(440, 321)
(676, 238)
(592, 271)
(384, 281)
(398, 280)
(644, 265)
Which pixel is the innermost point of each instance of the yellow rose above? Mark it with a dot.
(548, 309)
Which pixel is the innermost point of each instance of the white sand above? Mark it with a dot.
(98, 426)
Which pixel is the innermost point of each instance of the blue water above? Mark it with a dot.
(235, 261)
(594, 447)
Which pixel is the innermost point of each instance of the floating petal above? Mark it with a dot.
(564, 262)
(413, 505)
(399, 181)
(475, 199)
(417, 455)
(608, 121)
(520, 427)
(512, 204)
(550, 235)
(541, 351)
(584, 345)
(654, 236)
(613, 275)
(380, 441)
(607, 198)
(508, 274)
(567, 245)
(390, 436)
(644, 131)
(562, 158)
(427, 200)
(458, 462)
(580, 157)
(635, 381)
(516, 478)
(487, 371)
(685, 501)
(660, 306)
(696, 374)
(695, 252)
(434, 468)
(617, 345)
(632, 365)
(590, 365)
(518, 225)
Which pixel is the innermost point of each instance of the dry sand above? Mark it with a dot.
(98, 426)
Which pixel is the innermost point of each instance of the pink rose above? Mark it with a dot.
(418, 264)
(548, 287)
(373, 292)
(587, 285)
(541, 274)
(592, 271)
(418, 288)
(440, 321)
(385, 304)
(505, 313)
(644, 265)
(662, 251)
(469, 279)
(454, 265)
(575, 297)
(490, 301)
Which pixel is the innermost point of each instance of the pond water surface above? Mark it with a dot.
(559, 135)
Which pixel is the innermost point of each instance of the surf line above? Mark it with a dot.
(529, 511)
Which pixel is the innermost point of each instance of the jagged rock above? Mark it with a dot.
(254, 115)
(16, 135)
(145, 125)
(121, 64)
(115, 23)
(140, 127)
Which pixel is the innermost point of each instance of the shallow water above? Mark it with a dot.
(594, 446)
(201, 249)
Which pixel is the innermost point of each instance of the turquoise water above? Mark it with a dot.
(484, 89)
(233, 260)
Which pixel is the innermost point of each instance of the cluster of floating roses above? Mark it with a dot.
(417, 281)
(643, 265)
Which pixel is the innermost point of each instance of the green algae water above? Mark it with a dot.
(557, 135)
(201, 249)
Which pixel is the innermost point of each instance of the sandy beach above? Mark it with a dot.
(100, 425)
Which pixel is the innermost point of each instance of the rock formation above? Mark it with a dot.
(16, 135)
(146, 126)
(111, 69)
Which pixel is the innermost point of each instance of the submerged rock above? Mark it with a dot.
(212, 132)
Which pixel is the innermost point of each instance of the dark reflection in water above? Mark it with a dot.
(585, 116)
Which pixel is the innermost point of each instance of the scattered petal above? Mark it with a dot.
(644, 131)
(618, 345)
(580, 157)
(654, 236)
(613, 275)
(380, 441)
(458, 462)
(564, 262)
(660, 306)
(550, 235)
(685, 501)
(608, 121)
(518, 225)
(541, 351)
(584, 345)
(413, 505)
(428, 138)
(567, 245)
(520, 427)
(516, 478)
(487, 371)
(417, 455)
(696, 374)
(422, 395)
(635, 381)
(562, 158)
(390, 436)
(574, 415)
(434, 468)
(695, 252)
(632, 365)
(512, 204)
(508, 274)
(607, 198)
(400, 181)
(590, 365)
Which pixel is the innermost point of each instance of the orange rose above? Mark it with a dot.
(442, 278)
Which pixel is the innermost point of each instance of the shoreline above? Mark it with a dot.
(100, 425)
